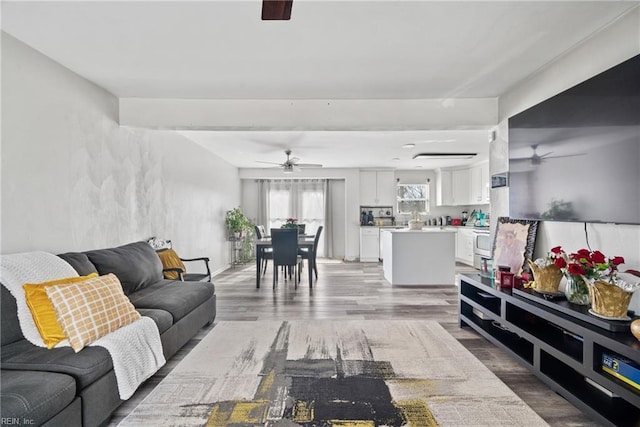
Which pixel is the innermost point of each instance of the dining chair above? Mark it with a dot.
(310, 254)
(267, 253)
(284, 242)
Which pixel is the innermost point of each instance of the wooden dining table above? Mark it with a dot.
(304, 241)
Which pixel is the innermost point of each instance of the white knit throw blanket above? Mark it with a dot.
(136, 349)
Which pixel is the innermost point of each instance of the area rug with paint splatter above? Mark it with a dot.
(331, 373)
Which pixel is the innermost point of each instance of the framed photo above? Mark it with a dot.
(514, 243)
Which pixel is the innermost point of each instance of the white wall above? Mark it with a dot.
(611, 46)
(73, 180)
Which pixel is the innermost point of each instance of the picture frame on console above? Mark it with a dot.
(514, 243)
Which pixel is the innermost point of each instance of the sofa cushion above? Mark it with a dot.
(42, 311)
(163, 319)
(136, 265)
(86, 366)
(178, 298)
(80, 262)
(9, 326)
(34, 396)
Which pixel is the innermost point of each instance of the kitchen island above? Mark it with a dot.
(419, 257)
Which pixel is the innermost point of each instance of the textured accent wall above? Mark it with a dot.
(73, 179)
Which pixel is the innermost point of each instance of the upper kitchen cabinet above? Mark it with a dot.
(463, 186)
(479, 184)
(377, 188)
(460, 186)
(444, 190)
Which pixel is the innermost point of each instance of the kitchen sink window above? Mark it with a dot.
(412, 198)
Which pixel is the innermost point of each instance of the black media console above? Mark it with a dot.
(558, 342)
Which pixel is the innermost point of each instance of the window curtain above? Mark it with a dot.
(328, 219)
(263, 204)
(303, 199)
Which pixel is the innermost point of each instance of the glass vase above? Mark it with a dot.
(576, 290)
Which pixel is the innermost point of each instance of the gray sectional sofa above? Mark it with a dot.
(58, 387)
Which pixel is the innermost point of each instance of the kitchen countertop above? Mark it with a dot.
(424, 230)
(429, 227)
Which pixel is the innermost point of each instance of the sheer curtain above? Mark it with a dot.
(263, 204)
(303, 199)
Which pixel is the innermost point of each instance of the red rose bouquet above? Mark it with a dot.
(594, 265)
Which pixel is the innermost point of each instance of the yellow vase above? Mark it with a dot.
(608, 300)
(547, 279)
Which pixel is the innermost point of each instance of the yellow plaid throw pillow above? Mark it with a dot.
(91, 309)
(42, 311)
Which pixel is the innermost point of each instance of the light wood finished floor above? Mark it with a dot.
(359, 291)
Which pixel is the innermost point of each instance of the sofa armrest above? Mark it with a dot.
(204, 259)
(175, 269)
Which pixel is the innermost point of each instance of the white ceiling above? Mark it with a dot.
(358, 50)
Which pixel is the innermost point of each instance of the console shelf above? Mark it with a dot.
(562, 348)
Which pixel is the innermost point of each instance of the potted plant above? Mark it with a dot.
(291, 223)
(236, 221)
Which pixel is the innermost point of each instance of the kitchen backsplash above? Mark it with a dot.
(438, 212)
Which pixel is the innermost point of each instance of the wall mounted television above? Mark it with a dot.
(576, 156)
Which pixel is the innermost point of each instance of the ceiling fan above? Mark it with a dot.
(291, 164)
(537, 159)
(276, 10)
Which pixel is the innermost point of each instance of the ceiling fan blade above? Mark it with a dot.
(269, 163)
(276, 10)
(294, 160)
(566, 155)
(308, 165)
(545, 155)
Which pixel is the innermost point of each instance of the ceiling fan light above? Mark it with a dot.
(444, 156)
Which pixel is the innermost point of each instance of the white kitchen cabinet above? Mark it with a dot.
(475, 185)
(369, 244)
(368, 188)
(463, 186)
(377, 188)
(486, 182)
(479, 186)
(386, 186)
(464, 246)
(460, 186)
(444, 196)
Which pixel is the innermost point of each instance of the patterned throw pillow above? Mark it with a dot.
(42, 311)
(91, 309)
(170, 259)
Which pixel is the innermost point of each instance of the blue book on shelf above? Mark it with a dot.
(622, 369)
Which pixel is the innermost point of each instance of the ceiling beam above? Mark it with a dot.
(311, 114)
